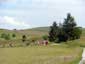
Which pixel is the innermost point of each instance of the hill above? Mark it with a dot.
(39, 31)
(34, 33)
(46, 29)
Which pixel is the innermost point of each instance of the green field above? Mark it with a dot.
(40, 55)
(65, 53)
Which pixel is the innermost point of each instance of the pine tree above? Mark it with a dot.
(69, 25)
(62, 37)
(66, 31)
(53, 32)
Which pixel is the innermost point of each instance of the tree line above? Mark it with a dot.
(68, 30)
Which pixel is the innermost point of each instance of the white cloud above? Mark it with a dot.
(40, 11)
(12, 21)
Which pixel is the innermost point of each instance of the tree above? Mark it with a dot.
(66, 31)
(23, 38)
(62, 36)
(69, 26)
(53, 32)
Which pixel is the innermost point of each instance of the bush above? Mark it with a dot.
(5, 36)
(45, 37)
(77, 32)
(13, 35)
(23, 38)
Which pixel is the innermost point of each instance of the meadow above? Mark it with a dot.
(64, 53)
(40, 55)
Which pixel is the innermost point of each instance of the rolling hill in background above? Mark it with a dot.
(39, 31)
(46, 29)
(30, 33)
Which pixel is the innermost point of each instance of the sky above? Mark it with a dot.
(23, 14)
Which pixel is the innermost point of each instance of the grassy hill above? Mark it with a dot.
(34, 33)
(40, 29)
(30, 33)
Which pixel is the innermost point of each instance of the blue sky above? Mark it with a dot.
(22, 14)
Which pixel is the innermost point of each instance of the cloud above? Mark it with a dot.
(10, 21)
(41, 12)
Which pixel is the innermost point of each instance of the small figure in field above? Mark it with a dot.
(46, 42)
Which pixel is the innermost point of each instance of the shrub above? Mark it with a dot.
(13, 35)
(23, 38)
(5, 36)
(45, 37)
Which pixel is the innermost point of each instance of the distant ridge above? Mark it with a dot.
(41, 29)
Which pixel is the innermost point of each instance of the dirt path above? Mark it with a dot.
(83, 57)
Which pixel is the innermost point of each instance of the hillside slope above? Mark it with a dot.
(34, 32)
(30, 33)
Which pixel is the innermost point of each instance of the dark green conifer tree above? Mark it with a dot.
(69, 26)
(53, 32)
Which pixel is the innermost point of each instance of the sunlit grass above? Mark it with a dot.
(40, 55)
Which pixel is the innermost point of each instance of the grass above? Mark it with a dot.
(65, 53)
(40, 55)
